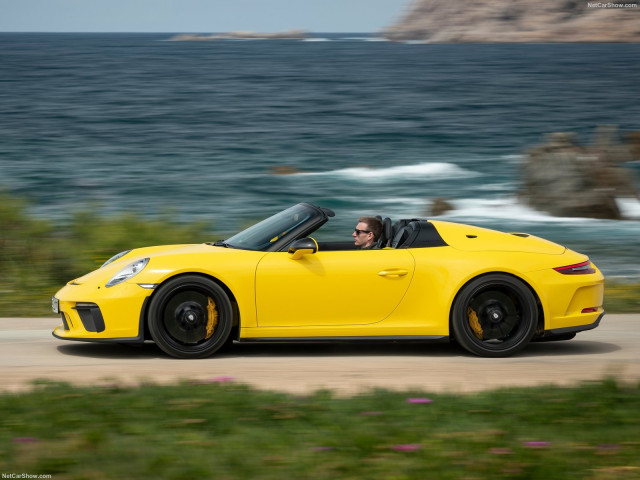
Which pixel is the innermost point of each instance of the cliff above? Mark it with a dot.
(468, 21)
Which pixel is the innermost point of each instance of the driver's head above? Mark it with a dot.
(367, 231)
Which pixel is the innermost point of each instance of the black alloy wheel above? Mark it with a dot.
(190, 317)
(494, 315)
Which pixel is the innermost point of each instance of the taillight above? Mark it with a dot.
(576, 269)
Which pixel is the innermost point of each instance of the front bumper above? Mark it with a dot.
(95, 313)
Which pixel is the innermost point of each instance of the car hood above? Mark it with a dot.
(477, 239)
(156, 252)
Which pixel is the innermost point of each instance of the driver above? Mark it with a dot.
(367, 232)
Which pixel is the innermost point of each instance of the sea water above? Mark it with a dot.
(233, 131)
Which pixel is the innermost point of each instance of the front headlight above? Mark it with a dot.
(115, 257)
(127, 272)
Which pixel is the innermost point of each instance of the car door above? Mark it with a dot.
(331, 288)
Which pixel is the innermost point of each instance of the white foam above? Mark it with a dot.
(495, 187)
(507, 208)
(402, 201)
(437, 170)
(629, 207)
(366, 39)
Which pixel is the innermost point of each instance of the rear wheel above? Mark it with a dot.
(494, 316)
(190, 317)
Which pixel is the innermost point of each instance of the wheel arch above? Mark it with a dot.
(541, 317)
(235, 330)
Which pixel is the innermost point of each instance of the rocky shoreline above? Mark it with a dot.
(489, 21)
(566, 179)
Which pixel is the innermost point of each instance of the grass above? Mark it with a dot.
(38, 258)
(622, 297)
(222, 430)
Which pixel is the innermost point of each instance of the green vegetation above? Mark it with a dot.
(622, 297)
(38, 258)
(222, 430)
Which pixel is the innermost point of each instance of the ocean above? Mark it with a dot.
(232, 131)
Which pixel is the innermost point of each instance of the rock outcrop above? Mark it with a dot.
(288, 35)
(439, 206)
(569, 180)
(518, 21)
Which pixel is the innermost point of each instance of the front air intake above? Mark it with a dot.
(90, 316)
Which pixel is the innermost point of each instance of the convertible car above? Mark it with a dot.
(491, 292)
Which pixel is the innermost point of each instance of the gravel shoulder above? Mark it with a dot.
(29, 352)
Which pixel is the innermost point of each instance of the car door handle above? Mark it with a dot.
(393, 272)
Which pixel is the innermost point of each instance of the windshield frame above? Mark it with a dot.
(278, 231)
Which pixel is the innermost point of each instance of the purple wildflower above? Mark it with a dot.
(407, 447)
(25, 440)
(537, 444)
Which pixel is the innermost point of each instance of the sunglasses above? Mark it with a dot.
(358, 232)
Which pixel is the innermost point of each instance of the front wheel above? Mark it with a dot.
(190, 317)
(494, 316)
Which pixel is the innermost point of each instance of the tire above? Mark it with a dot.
(505, 311)
(183, 313)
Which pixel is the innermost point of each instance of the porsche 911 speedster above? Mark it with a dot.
(491, 292)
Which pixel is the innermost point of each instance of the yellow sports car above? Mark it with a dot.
(491, 292)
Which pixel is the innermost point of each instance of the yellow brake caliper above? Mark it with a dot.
(212, 317)
(474, 322)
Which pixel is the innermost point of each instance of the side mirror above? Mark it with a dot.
(302, 247)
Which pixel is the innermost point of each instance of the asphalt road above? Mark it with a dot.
(28, 352)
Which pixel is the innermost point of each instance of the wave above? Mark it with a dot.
(366, 39)
(510, 208)
(435, 171)
(345, 39)
(507, 208)
(629, 207)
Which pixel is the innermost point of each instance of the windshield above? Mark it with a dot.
(263, 234)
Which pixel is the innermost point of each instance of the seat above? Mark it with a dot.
(402, 234)
(386, 235)
(397, 226)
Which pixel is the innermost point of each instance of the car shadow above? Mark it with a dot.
(267, 349)
(340, 348)
(425, 349)
(112, 350)
(568, 347)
